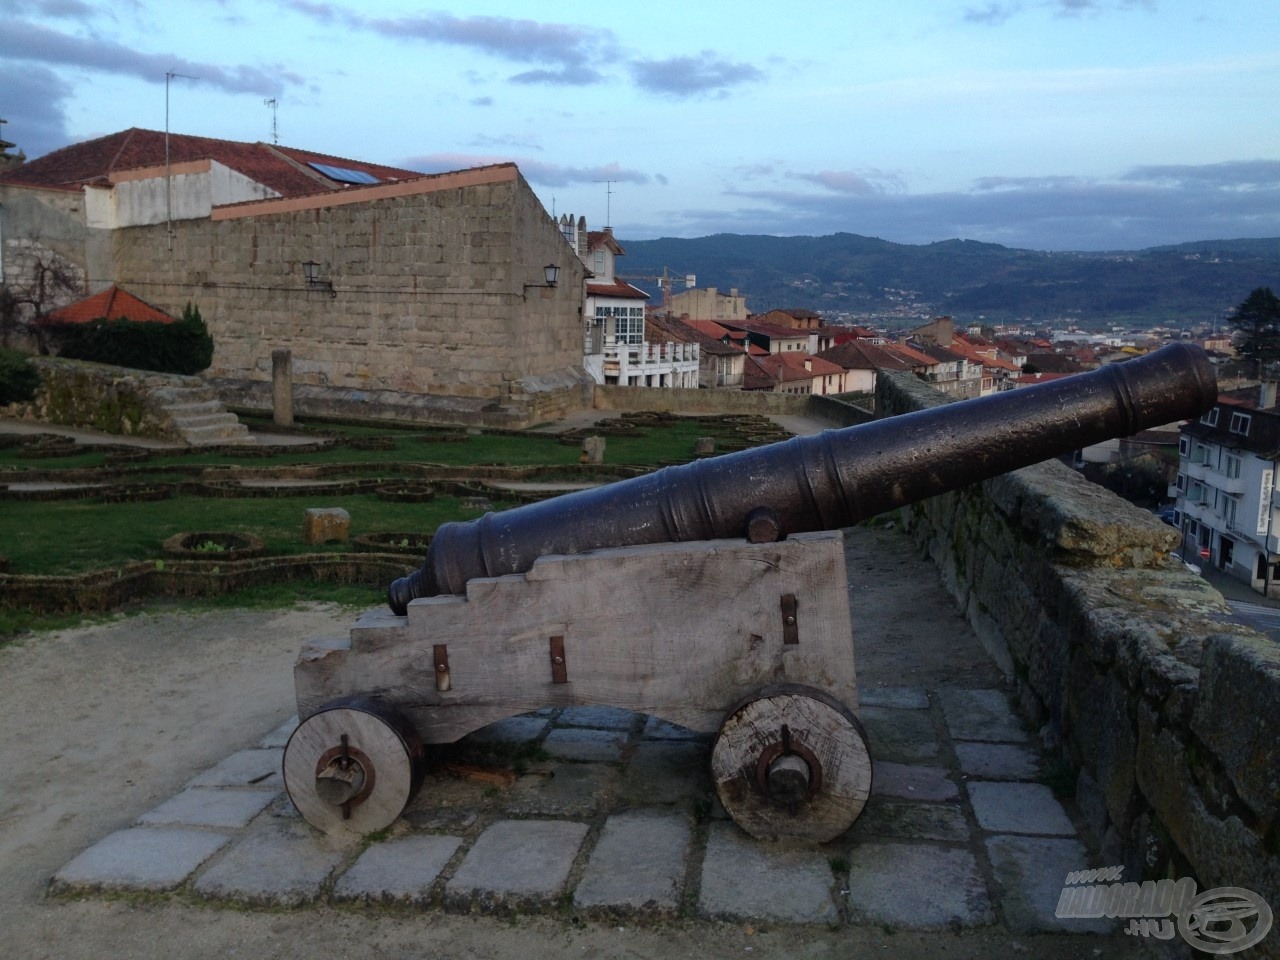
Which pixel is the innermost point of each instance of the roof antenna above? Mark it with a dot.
(168, 179)
(608, 202)
(275, 135)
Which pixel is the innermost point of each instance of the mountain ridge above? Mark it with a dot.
(850, 276)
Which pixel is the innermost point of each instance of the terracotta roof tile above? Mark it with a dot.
(283, 169)
(618, 289)
(113, 304)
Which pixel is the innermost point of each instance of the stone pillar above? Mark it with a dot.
(282, 387)
(592, 450)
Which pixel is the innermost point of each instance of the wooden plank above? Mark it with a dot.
(680, 631)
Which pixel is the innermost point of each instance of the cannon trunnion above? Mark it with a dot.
(712, 595)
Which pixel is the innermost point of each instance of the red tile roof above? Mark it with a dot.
(618, 289)
(283, 169)
(113, 304)
(862, 355)
(712, 329)
(798, 366)
(604, 238)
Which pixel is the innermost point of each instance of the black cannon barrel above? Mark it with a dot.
(830, 480)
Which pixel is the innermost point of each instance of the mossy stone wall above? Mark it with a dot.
(1127, 663)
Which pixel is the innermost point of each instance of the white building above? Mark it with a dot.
(615, 350)
(1226, 476)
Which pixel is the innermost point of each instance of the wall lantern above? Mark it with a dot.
(552, 274)
(311, 273)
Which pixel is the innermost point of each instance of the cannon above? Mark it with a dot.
(711, 594)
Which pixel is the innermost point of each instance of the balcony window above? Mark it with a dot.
(628, 322)
(1233, 467)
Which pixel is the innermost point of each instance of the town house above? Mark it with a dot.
(1227, 462)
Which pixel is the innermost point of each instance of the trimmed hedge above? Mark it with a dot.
(19, 380)
(183, 346)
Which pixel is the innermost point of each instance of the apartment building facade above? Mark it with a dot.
(1227, 462)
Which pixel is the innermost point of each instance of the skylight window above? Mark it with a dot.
(343, 174)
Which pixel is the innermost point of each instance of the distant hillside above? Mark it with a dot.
(865, 277)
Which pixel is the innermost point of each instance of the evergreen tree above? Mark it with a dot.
(1256, 323)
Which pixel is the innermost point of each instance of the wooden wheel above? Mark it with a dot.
(353, 765)
(791, 762)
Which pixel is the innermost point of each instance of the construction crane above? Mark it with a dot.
(664, 284)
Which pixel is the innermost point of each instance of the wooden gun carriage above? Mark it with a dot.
(711, 594)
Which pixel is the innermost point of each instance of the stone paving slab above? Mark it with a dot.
(150, 859)
(581, 743)
(245, 768)
(912, 781)
(210, 807)
(744, 879)
(918, 821)
(917, 886)
(905, 736)
(401, 870)
(903, 698)
(280, 863)
(998, 761)
(1031, 872)
(639, 862)
(981, 715)
(516, 861)
(1018, 808)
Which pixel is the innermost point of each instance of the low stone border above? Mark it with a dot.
(136, 493)
(414, 543)
(213, 546)
(104, 590)
(406, 493)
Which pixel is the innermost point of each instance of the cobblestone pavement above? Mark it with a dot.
(602, 811)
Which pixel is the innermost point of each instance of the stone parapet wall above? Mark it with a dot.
(1127, 663)
(76, 393)
(528, 402)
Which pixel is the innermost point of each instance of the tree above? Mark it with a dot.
(1256, 323)
(44, 282)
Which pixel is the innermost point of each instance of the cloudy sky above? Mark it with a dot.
(1049, 124)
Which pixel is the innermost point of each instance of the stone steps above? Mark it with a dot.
(200, 417)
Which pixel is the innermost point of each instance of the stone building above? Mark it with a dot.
(376, 278)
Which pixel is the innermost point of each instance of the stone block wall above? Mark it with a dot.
(427, 286)
(75, 393)
(695, 400)
(1128, 664)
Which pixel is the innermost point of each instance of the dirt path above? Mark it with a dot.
(104, 722)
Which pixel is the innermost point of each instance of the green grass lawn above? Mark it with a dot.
(62, 537)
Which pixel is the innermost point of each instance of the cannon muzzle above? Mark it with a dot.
(824, 482)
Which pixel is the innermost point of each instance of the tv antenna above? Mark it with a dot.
(275, 134)
(608, 201)
(168, 178)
